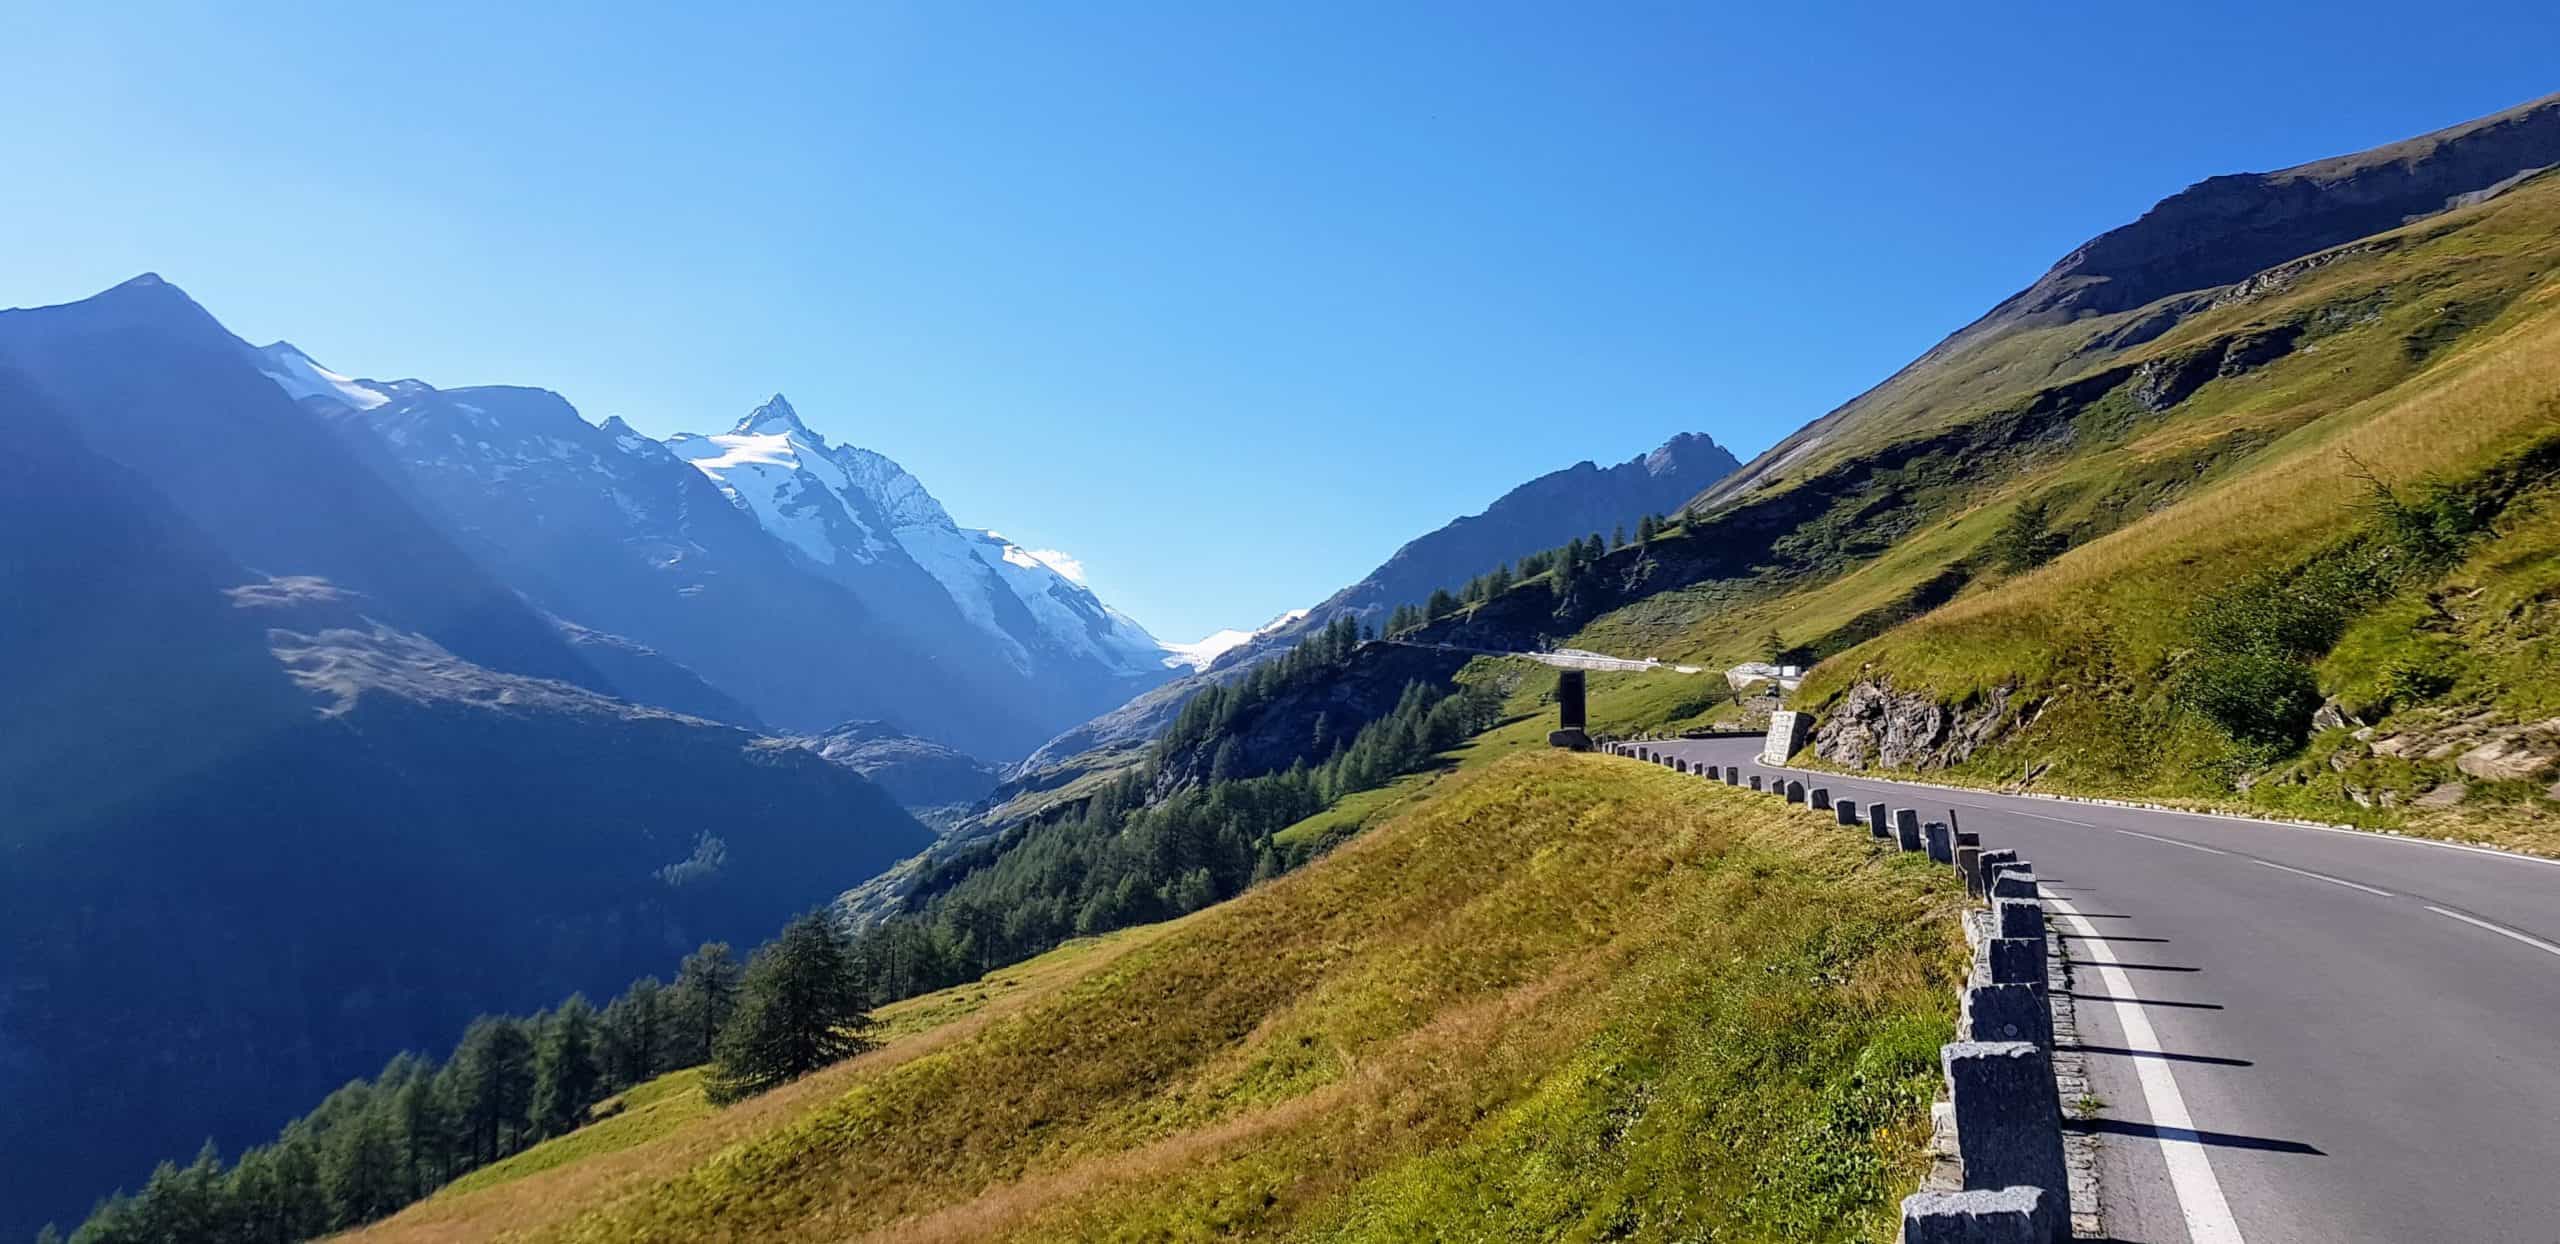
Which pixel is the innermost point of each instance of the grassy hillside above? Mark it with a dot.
(2443, 388)
(2232, 467)
(1545, 995)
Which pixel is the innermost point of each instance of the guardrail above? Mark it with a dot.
(2002, 1176)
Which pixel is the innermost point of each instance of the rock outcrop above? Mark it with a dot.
(2223, 229)
(1875, 726)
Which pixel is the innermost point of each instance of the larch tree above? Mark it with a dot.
(801, 1007)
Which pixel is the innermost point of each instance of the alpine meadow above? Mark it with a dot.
(2099, 782)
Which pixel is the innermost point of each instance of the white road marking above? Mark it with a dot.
(2191, 1177)
(2173, 842)
(2305, 872)
(2031, 815)
(2499, 929)
(2363, 834)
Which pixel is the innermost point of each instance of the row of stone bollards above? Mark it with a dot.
(2007, 1112)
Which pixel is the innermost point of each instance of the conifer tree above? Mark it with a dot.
(2023, 543)
(634, 1034)
(706, 990)
(566, 1076)
(493, 1085)
(425, 1125)
(800, 1007)
(361, 1167)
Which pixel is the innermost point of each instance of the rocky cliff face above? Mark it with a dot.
(1874, 726)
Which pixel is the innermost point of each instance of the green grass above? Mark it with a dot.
(1353, 813)
(640, 1114)
(1547, 995)
(926, 1012)
(2432, 353)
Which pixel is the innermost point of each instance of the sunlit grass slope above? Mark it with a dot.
(2431, 353)
(667, 1124)
(2102, 629)
(1549, 995)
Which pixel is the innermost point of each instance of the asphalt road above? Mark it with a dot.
(1567, 658)
(2306, 1034)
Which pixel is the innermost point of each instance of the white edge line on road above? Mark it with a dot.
(2305, 872)
(2191, 1177)
(2135, 833)
(2499, 929)
(2368, 835)
(2038, 816)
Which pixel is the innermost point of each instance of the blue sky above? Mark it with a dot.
(1225, 300)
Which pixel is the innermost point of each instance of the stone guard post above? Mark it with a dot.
(1570, 731)
(2009, 1121)
(1985, 1216)
(1787, 730)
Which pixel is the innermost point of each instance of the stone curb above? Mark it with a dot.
(2334, 827)
(2000, 922)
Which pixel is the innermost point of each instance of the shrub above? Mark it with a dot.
(2024, 542)
(2411, 680)
(2260, 698)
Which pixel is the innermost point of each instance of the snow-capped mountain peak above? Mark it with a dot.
(854, 511)
(776, 417)
(301, 378)
(1204, 653)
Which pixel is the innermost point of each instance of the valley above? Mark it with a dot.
(453, 815)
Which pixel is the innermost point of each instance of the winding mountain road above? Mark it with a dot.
(2297, 1034)
(1562, 658)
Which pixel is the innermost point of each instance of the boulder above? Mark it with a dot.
(2444, 796)
(2513, 757)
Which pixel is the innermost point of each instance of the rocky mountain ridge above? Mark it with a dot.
(1535, 516)
(228, 766)
(804, 582)
(2138, 281)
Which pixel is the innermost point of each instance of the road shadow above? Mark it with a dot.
(2134, 967)
(2212, 1059)
(2222, 1140)
(2114, 937)
(2188, 1006)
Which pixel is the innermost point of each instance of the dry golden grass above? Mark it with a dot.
(1563, 980)
(913, 1029)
